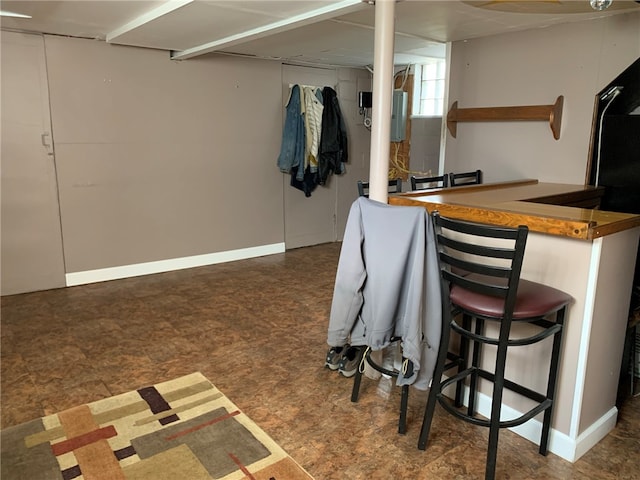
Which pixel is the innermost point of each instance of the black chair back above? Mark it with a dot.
(465, 178)
(395, 186)
(466, 263)
(426, 183)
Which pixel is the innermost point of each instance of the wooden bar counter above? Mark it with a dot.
(544, 207)
(588, 253)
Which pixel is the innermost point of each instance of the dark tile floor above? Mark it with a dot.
(257, 328)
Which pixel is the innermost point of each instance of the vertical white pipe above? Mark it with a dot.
(381, 103)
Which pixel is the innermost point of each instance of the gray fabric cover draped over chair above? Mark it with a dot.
(387, 286)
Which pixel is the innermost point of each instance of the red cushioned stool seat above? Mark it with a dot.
(532, 300)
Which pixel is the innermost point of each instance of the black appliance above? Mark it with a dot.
(615, 165)
(615, 158)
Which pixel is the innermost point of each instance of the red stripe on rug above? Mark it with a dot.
(202, 425)
(244, 470)
(96, 460)
(88, 438)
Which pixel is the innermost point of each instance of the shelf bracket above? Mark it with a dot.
(550, 113)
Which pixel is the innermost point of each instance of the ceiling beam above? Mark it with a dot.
(145, 18)
(313, 16)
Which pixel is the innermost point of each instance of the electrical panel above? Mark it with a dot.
(399, 116)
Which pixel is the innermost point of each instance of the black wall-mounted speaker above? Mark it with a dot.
(364, 99)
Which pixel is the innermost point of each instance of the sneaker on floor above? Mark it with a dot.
(333, 357)
(350, 361)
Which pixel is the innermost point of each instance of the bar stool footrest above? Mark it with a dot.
(543, 402)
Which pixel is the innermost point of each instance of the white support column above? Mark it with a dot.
(382, 90)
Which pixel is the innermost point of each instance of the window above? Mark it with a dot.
(428, 88)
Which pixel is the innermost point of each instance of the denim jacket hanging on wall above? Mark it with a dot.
(293, 136)
(295, 153)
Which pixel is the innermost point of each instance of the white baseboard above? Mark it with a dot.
(560, 443)
(596, 432)
(148, 268)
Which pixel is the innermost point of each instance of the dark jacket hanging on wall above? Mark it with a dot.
(332, 152)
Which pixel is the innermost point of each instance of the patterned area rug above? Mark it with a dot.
(181, 429)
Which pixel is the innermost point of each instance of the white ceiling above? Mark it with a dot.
(329, 32)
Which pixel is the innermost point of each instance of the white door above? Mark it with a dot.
(31, 236)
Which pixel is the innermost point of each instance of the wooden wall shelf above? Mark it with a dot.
(550, 113)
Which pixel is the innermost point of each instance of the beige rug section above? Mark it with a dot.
(183, 428)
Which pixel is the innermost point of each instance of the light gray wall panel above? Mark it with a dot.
(160, 159)
(32, 257)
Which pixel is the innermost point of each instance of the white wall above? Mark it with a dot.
(152, 154)
(534, 67)
(163, 164)
(350, 82)
(425, 144)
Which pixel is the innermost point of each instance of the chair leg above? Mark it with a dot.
(475, 363)
(551, 385)
(496, 407)
(402, 423)
(634, 346)
(434, 391)
(462, 361)
(357, 378)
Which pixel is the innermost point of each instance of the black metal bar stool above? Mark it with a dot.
(490, 289)
(407, 371)
(406, 368)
